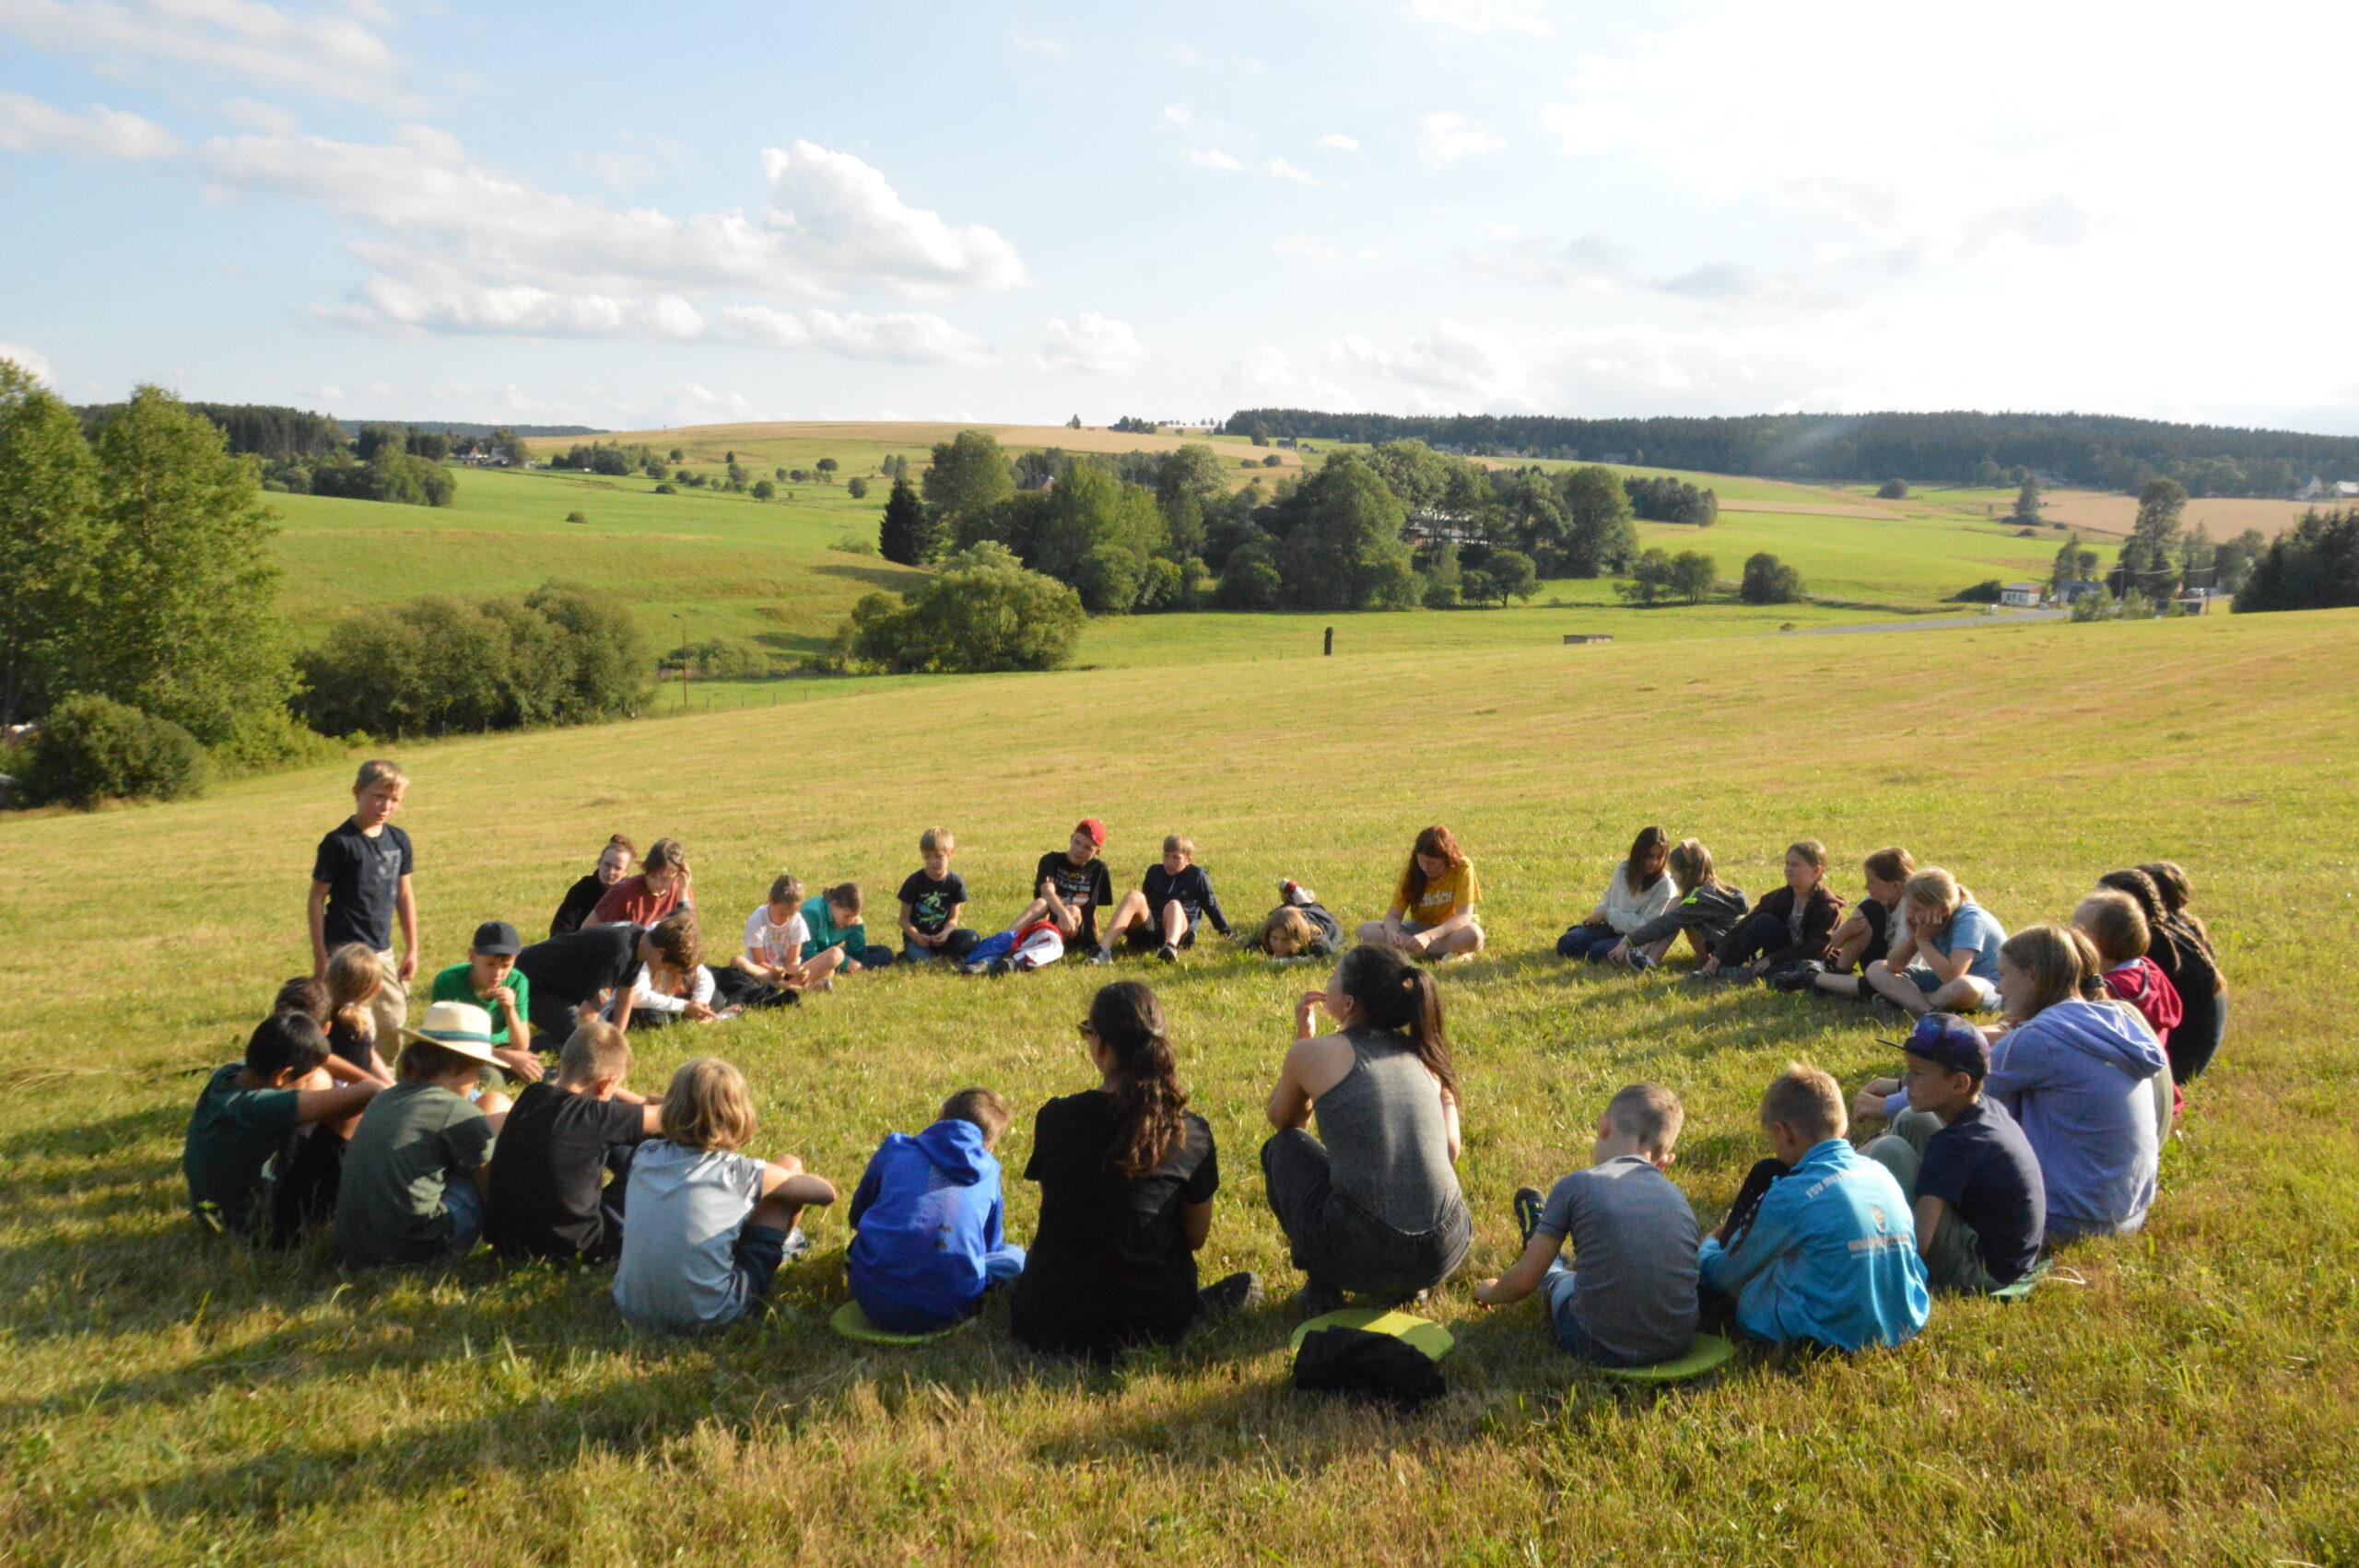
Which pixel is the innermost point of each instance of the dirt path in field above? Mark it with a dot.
(1934, 624)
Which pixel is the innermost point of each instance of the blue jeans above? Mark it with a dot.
(464, 1205)
(1593, 942)
(955, 950)
(1556, 1290)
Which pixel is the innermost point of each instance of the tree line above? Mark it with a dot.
(2100, 451)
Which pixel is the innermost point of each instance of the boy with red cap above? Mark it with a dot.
(1072, 886)
(1969, 1174)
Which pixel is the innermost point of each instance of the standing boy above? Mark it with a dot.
(1818, 1246)
(490, 979)
(1981, 1206)
(1629, 1300)
(1162, 912)
(932, 898)
(360, 883)
(1073, 887)
(561, 1142)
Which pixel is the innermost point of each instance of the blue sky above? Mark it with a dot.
(708, 213)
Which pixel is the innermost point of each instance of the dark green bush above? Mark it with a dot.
(93, 748)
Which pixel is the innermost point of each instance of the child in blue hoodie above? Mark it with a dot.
(1827, 1253)
(928, 1216)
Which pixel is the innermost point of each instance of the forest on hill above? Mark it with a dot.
(2099, 451)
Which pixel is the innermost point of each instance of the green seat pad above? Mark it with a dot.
(1705, 1352)
(2021, 1287)
(853, 1324)
(1420, 1334)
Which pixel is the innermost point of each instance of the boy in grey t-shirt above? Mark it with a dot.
(1630, 1297)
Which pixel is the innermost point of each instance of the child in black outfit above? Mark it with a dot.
(560, 1140)
(1163, 914)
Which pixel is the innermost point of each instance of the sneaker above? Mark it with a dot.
(1101, 955)
(1641, 962)
(1294, 895)
(1527, 1204)
(1238, 1292)
(1317, 1299)
(1168, 952)
(797, 1244)
(997, 967)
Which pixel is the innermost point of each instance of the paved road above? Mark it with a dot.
(1940, 622)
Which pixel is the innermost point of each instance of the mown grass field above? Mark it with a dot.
(701, 564)
(2189, 1395)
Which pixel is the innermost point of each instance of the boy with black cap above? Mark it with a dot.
(1971, 1178)
(490, 979)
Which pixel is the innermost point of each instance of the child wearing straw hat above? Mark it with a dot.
(420, 1162)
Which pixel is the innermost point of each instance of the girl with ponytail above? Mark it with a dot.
(1127, 1175)
(1371, 1205)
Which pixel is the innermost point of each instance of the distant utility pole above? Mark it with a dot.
(1330, 643)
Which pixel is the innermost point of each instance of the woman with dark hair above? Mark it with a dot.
(1374, 1208)
(2182, 949)
(1433, 909)
(1640, 890)
(1127, 1175)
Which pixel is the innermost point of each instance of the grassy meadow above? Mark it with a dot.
(2187, 1393)
(781, 574)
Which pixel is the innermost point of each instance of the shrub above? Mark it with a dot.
(575, 517)
(1768, 580)
(764, 489)
(1893, 490)
(1987, 591)
(667, 489)
(857, 489)
(93, 748)
(442, 666)
(980, 612)
(1270, 461)
(855, 545)
(1251, 579)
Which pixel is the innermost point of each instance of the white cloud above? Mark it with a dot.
(1453, 366)
(325, 51)
(1265, 375)
(1092, 342)
(1589, 260)
(1524, 18)
(256, 115)
(1303, 247)
(1179, 115)
(1335, 141)
(31, 360)
(1445, 137)
(639, 160)
(1228, 163)
(909, 337)
(1048, 46)
(26, 124)
(849, 224)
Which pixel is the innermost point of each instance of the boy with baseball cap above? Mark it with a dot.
(1975, 1187)
(490, 979)
(418, 1168)
(1072, 886)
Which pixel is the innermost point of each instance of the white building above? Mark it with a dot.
(2020, 595)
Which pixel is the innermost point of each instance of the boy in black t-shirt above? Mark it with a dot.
(360, 883)
(932, 898)
(1162, 912)
(560, 1141)
(1073, 887)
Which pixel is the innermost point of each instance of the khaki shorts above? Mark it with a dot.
(389, 1009)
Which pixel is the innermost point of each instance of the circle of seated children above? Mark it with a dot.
(2044, 1125)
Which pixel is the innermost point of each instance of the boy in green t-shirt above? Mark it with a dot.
(490, 979)
(250, 1111)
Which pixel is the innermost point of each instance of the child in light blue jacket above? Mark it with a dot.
(1822, 1251)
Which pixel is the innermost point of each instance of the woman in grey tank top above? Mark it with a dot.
(1374, 1208)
